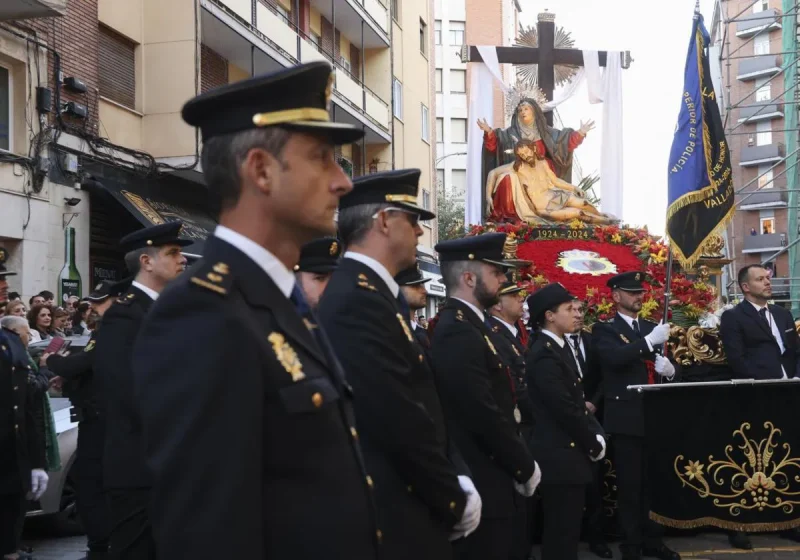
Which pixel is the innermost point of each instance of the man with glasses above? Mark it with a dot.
(422, 501)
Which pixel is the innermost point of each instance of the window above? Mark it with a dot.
(763, 133)
(437, 32)
(761, 44)
(396, 10)
(117, 68)
(346, 64)
(426, 199)
(438, 74)
(765, 177)
(440, 129)
(398, 99)
(423, 37)
(426, 134)
(458, 81)
(767, 226)
(760, 6)
(458, 180)
(5, 109)
(763, 92)
(440, 178)
(456, 33)
(314, 38)
(458, 130)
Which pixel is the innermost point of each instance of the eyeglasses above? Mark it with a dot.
(413, 216)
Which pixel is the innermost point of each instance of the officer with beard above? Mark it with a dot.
(477, 393)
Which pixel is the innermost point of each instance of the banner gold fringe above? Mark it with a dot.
(724, 524)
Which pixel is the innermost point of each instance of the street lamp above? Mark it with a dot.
(447, 156)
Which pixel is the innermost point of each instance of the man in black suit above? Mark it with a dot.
(318, 260)
(153, 256)
(760, 342)
(412, 286)
(629, 348)
(477, 393)
(503, 318)
(231, 359)
(588, 368)
(760, 339)
(422, 500)
(567, 439)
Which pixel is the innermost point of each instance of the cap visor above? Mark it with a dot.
(319, 269)
(423, 214)
(633, 290)
(416, 282)
(504, 264)
(339, 133)
(7, 273)
(510, 291)
(97, 297)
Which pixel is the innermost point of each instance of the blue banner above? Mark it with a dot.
(700, 184)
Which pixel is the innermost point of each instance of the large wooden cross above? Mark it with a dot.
(546, 56)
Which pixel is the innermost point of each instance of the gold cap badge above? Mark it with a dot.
(334, 248)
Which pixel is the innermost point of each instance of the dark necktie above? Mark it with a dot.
(570, 358)
(763, 314)
(636, 328)
(576, 344)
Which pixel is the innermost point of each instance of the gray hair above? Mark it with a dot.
(132, 261)
(452, 271)
(12, 322)
(355, 222)
(223, 156)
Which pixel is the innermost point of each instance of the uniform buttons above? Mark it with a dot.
(580, 380)
(353, 432)
(4, 348)
(29, 367)
(586, 412)
(409, 488)
(316, 400)
(16, 427)
(519, 472)
(452, 506)
(616, 398)
(379, 535)
(369, 481)
(572, 444)
(15, 407)
(421, 358)
(16, 388)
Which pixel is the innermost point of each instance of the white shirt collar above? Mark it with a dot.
(377, 268)
(759, 307)
(628, 319)
(477, 311)
(414, 325)
(509, 326)
(149, 291)
(554, 336)
(268, 262)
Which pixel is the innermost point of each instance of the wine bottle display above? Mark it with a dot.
(69, 283)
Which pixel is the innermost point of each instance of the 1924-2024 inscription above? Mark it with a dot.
(560, 233)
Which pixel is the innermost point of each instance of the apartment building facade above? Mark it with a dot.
(127, 155)
(457, 23)
(747, 45)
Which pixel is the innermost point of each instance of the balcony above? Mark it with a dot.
(761, 111)
(757, 155)
(347, 16)
(764, 198)
(759, 66)
(272, 43)
(28, 9)
(764, 243)
(750, 24)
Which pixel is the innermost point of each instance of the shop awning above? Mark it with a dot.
(157, 202)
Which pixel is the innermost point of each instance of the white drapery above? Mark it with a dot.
(604, 87)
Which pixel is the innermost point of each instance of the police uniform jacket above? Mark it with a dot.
(22, 439)
(248, 423)
(424, 341)
(77, 372)
(123, 457)
(513, 354)
(399, 415)
(478, 401)
(624, 354)
(566, 433)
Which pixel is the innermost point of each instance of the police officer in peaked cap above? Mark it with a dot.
(318, 260)
(247, 417)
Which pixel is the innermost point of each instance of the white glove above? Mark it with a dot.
(659, 335)
(664, 367)
(39, 480)
(529, 487)
(472, 512)
(601, 440)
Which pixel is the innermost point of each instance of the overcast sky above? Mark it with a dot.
(658, 40)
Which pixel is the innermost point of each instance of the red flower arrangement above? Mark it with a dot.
(627, 248)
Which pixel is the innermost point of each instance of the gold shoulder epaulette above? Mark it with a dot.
(126, 299)
(215, 277)
(459, 315)
(363, 284)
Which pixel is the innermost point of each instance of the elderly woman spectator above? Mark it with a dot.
(16, 309)
(40, 320)
(22, 436)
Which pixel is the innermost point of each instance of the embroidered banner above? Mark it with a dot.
(724, 456)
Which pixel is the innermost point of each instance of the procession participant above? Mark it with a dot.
(627, 344)
(503, 319)
(153, 257)
(76, 377)
(412, 286)
(477, 394)
(247, 417)
(421, 498)
(567, 439)
(318, 260)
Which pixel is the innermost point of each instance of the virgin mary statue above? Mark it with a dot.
(528, 123)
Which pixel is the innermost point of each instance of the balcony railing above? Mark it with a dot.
(759, 66)
(29, 9)
(764, 198)
(761, 111)
(283, 35)
(756, 155)
(752, 23)
(765, 242)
